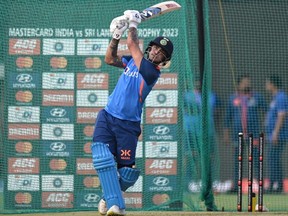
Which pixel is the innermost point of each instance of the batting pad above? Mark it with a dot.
(128, 177)
(104, 164)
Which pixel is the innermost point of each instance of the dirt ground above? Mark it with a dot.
(150, 213)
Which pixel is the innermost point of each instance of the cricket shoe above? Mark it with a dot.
(115, 211)
(102, 208)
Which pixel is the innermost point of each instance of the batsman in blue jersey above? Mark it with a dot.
(117, 126)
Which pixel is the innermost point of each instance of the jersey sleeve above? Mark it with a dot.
(125, 60)
(149, 72)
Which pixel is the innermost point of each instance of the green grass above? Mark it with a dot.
(228, 202)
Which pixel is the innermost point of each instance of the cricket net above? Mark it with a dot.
(54, 81)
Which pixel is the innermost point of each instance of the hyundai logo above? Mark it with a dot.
(92, 197)
(161, 130)
(24, 78)
(57, 146)
(161, 181)
(58, 112)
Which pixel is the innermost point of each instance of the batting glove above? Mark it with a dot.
(133, 17)
(118, 26)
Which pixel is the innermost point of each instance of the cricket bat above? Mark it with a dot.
(159, 9)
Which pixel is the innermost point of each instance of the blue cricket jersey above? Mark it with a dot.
(279, 103)
(243, 114)
(127, 99)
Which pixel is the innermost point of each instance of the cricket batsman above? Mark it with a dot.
(117, 126)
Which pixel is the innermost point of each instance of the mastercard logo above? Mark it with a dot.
(88, 130)
(24, 62)
(87, 148)
(24, 96)
(58, 164)
(91, 182)
(94, 62)
(58, 62)
(23, 198)
(23, 147)
(159, 199)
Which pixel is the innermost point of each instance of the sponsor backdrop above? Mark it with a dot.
(57, 83)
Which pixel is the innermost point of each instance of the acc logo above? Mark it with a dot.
(58, 112)
(57, 146)
(92, 197)
(161, 130)
(161, 181)
(24, 78)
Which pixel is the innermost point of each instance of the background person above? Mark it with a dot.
(277, 130)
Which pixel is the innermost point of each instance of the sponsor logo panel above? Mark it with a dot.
(24, 46)
(161, 167)
(58, 98)
(57, 183)
(58, 46)
(58, 80)
(87, 115)
(161, 132)
(57, 200)
(84, 166)
(163, 115)
(162, 98)
(57, 148)
(58, 132)
(23, 165)
(23, 131)
(138, 186)
(91, 182)
(57, 114)
(84, 131)
(139, 149)
(22, 200)
(94, 98)
(161, 149)
(23, 80)
(133, 200)
(88, 199)
(23, 183)
(92, 46)
(167, 81)
(92, 80)
(160, 183)
(23, 114)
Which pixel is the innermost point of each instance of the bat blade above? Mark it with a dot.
(159, 9)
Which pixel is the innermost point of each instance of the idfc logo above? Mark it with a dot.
(161, 130)
(92, 198)
(161, 181)
(24, 78)
(58, 112)
(58, 146)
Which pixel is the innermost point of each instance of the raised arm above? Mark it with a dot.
(134, 19)
(111, 57)
(118, 26)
